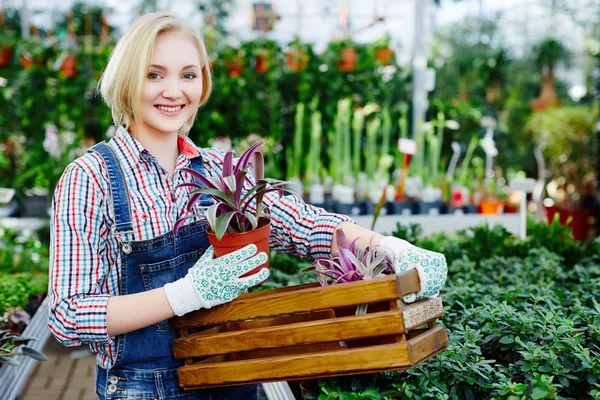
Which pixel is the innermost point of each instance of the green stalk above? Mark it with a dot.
(437, 153)
(313, 165)
(295, 162)
(417, 166)
(347, 149)
(340, 162)
(358, 124)
(464, 167)
(386, 131)
(403, 125)
(371, 147)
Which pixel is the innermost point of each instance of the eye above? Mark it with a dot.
(189, 76)
(153, 76)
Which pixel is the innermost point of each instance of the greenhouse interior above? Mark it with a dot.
(309, 199)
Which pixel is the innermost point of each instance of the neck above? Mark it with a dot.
(161, 145)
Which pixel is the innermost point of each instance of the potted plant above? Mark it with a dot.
(353, 264)
(7, 41)
(236, 219)
(548, 53)
(31, 52)
(383, 52)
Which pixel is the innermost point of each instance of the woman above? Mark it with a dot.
(118, 272)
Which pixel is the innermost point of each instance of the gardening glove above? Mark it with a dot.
(431, 266)
(215, 281)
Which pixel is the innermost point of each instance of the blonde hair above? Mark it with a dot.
(123, 77)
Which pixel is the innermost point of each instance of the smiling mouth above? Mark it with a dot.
(170, 109)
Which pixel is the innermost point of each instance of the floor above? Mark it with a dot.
(67, 375)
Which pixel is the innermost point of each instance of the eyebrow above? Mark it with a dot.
(156, 66)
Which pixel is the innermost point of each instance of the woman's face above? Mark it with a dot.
(173, 87)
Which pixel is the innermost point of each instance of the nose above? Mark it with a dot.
(172, 89)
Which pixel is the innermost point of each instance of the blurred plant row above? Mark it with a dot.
(331, 120)
(523, 320)
(23, 285)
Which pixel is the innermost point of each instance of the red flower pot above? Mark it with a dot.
(5, 55)
(579, 220)
(261, 63)
(296, 60)
(231, 242)
(348, 61)
(68, 69)
(384, 55)
(491, 207)
(235, 67)
(27, 62)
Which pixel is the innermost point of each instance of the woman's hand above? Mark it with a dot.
(215, 281)
(431, 266)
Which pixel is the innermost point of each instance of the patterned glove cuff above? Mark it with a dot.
(182, 296)
(397, 246)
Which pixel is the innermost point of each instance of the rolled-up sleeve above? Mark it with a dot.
(77, 305)
(297, 228)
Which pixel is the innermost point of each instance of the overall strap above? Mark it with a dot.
(197, 165)
(118, 189)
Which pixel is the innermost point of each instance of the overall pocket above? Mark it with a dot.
(158, 274)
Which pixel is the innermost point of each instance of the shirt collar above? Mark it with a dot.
(187, 148)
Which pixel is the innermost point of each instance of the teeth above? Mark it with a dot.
(170, 109)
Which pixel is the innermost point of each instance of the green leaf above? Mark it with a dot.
(222, 196)
(222, 223)
(36, 355)
(539, 393)
(9, 361)
(507, 340)
(371, 394)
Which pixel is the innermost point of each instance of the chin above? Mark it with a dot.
(169, 127)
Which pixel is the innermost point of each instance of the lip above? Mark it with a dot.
(169, 114)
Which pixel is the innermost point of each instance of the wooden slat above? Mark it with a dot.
(296, 367)
(422, 312)
(266, 304)
(281, 320)
(317, 365)
(330, 330)
(285, 351)
(427, 344)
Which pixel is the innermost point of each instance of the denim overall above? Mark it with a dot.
(145, 367)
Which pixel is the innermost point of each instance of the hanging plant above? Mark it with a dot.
(5, 54)
(296, 59)
(262, 62)
(383, 53)
(31, 52)
(348, 59)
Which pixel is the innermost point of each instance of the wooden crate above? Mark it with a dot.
(309, 331)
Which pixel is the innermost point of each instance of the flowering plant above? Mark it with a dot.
(353, 264)
(232, 210)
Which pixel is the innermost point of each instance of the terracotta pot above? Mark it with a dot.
(491, 207)
(235, 67)
(579, 220)
(296, 60)
(262, 63)
(348, 61)
(384, 55)
(231, 242)
(5, 55)
(27, 62)
(68, 69)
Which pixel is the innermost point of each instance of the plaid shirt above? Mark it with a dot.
(85, 254)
